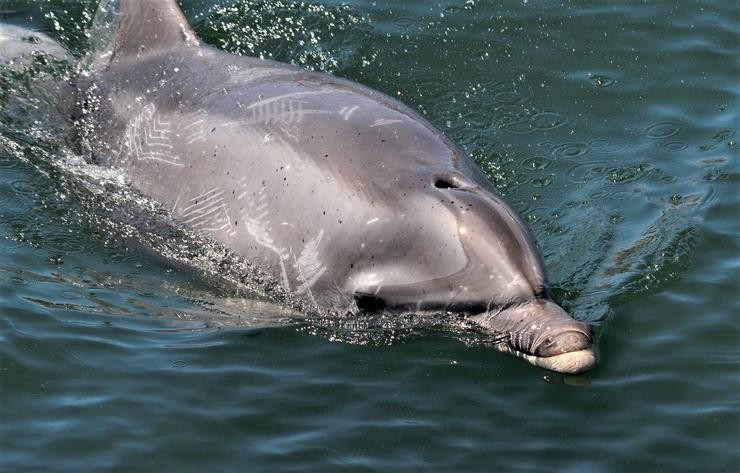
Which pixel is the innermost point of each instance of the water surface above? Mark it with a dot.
(611, 128)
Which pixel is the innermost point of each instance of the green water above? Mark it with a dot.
(611, 127)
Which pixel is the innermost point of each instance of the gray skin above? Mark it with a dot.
(348, 197)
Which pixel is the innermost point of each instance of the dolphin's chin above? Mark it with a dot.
(574, 362)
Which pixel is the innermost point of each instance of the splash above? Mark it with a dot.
(316, 37)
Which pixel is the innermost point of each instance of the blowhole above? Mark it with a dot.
(445, 183)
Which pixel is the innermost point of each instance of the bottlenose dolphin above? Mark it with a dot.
(345, 195)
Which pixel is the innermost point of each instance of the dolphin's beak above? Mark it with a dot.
(543, 334)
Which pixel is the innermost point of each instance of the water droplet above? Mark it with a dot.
(600, 80)
(56, 259)
(536, 163)
(543, 181)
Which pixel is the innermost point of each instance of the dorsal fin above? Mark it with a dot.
(145, 25)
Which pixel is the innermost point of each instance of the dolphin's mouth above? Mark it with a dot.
(536, 330)
(543, 334)
(572, 361)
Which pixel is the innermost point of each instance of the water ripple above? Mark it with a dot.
(663, 129)
(570, 150)
(676, 145)
(404, 22)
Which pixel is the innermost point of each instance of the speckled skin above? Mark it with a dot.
(344, 194)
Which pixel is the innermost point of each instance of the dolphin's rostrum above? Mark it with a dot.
(345, 195)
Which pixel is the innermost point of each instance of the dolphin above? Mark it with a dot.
(349, 198)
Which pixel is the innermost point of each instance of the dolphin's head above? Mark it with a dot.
(448, 243)
(471, 255)
(461, 249)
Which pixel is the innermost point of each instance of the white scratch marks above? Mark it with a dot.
(385, 122)
(148, 137)
(346, 112)
(208, 212)
(260, 229)
(308, 265)
(279, 98)
(195, 132)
